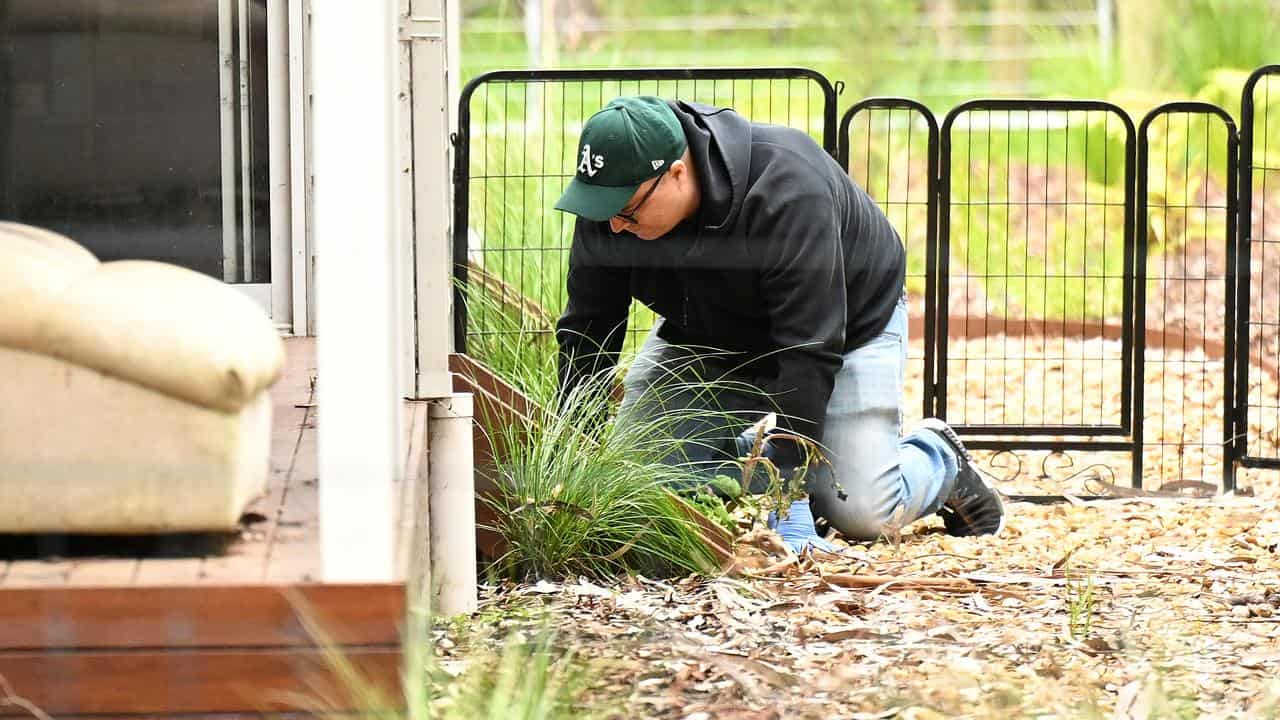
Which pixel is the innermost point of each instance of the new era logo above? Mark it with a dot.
(657, 163)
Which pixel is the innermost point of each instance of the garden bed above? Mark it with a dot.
(1077, 610)
(1125, 607)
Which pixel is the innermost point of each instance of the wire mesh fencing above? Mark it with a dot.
(1186, 230)
(1035, 271)
(1076, 283)
(517, 147)
(1257, 414)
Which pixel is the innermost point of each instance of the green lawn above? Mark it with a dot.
(1035, 220)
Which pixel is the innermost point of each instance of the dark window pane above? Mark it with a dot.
(111, 130)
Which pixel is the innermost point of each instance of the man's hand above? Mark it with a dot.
(797, 530)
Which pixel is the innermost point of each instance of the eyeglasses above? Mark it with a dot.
(629, 216)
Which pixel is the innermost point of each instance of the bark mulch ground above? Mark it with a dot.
(1157, 605)
(1129, 608)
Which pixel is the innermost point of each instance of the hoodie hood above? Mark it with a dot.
(720, 145)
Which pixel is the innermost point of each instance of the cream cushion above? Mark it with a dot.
(134, 394)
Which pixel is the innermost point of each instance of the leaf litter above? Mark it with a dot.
(1130, 607)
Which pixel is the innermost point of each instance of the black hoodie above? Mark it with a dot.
(787, 262)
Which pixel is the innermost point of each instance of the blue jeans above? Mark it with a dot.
(877, 482)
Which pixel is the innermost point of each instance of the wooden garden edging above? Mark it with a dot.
(213, 649)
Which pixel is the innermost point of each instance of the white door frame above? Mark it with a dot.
(284, 61)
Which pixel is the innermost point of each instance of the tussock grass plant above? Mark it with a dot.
(522, 349)
(582, 492)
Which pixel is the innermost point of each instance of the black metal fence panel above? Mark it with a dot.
(890, 148)
(1076, 283)
(1186, 194)
(1257, 413)
(516, 146)
(1035, 273)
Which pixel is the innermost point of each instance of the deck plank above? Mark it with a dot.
(248, 561)
(37, 573)
(169, 682)
(154, 571)
(293, 549)
(196, 616)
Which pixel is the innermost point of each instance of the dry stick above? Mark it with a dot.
(764, 573)
(904, 583)
(1166, 492)
(882, 583)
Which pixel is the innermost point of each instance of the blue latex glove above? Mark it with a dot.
(797, 529)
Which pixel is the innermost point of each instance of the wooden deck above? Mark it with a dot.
(199, 624)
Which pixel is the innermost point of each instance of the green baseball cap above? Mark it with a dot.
(631, 140)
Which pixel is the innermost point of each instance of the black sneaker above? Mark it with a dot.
(974, 507)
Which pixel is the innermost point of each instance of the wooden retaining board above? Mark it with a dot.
(224, 649)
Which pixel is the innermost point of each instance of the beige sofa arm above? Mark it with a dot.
(156, 325)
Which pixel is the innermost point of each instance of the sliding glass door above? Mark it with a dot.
(139, 129)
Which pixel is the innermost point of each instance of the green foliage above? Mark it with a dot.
(727, 486)
(1030, 258)
(1200, 36)
(584, 494)
(1087, 75)
(778, 491)
(511, 344)
(1081, 606)
(710, 504)
(513, 678)
(877, 47)
(527, 679)
(1036, 230)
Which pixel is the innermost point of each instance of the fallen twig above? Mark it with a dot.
(908, 582)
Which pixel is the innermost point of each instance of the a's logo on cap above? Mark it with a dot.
(657, 163)
(590, 164)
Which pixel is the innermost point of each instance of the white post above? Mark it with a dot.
(405, 209)
(533, 31)
(451, 501)
(426, 31)
(278, 118)
(357, 338)
(299, 175)
(1106, 35)
(453, 63)
(227, 114)
(246, 147)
